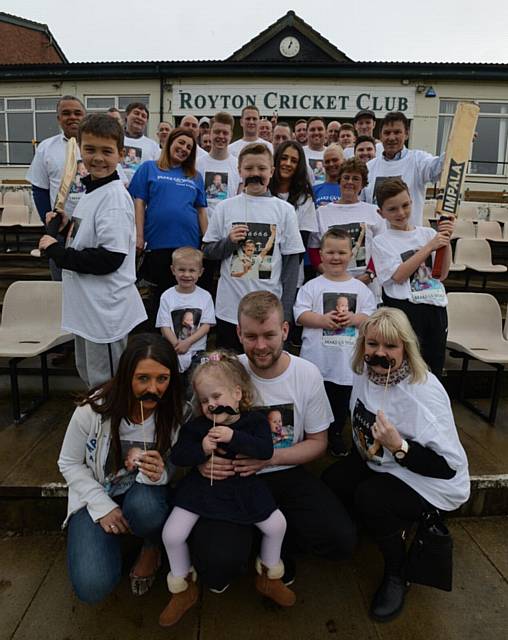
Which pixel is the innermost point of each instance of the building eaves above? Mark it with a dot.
(35, 26)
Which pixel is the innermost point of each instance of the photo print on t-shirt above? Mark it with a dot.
(253, 257)
(185, 322)
(339, 302)
(379, 182)
(362, 423)
(318, 170)
(281, 418)
(356, 231)
(424, 288)
(118, 482)
(216, 185)
(72, 231)
(132, 158)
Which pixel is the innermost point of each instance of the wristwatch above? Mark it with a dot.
(371, 275)
(400, 454)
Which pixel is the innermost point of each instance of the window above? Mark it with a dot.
(489, 155)
(103, 103)
(23, 121)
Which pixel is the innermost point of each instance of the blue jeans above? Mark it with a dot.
(94, 557)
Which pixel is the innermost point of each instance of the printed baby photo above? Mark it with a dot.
(424, 288)
(318, 170)
(339, 302)
(281, 420)
(216, 185)
(362, 423)
(253, 257)
(185, 322)
(132, 158)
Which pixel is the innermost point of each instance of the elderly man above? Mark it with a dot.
(332, 132)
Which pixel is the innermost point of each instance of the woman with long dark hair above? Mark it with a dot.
(115, 459)
(170, 205)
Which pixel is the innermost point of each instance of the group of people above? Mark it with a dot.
(257, 418)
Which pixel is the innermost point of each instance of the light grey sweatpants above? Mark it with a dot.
(97, 363)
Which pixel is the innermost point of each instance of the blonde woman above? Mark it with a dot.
(408, 459)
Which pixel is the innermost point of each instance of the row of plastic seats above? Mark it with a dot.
(488, 230)
(18, 215)
(472, 211)
(19, 197)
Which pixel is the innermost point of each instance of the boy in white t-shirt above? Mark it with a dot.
(403, 259)
(330, 308)
(186, 311)
(256, 236)
(101, 304)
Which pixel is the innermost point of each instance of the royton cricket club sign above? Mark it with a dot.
(291, 100)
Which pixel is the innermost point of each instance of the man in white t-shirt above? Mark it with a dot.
(314, 151)
(416, 168)
(300, 134)
(45, 171)
(137, 147)
(249, 122)
(292, 392)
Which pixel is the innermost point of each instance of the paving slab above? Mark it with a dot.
(491, 536)
(24, 564)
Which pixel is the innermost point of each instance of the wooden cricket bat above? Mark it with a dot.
(68, 175)
(458, 151)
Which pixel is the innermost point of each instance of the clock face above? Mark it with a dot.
(289, 46)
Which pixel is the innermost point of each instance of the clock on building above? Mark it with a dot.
(289, 46)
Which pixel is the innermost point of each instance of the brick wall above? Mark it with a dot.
(20, 45)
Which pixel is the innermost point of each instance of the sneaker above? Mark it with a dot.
(337, 447)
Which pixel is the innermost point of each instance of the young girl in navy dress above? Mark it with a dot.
(227, 427)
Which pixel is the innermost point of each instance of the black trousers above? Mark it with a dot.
(316, 523)
(381, 501)
(338, 396)
(227, 337)
(430, 323)
(156, 268)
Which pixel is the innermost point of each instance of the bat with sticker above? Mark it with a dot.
(68, 175)
(457, 154)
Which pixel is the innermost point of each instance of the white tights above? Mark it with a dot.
(180, 523)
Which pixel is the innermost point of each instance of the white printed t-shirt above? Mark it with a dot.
(307, 221)
(416, 168)
(103, 308)
(175, 311)
(144, 149)
(360, 220)
(316, 171)
(331, 350)
(235, 147)
(299, 394)
(390, 250)
(47, 167)
(209, 167)
(257, 264)
(422, 413)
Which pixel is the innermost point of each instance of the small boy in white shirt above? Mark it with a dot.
(186, 311)
(256, 236)
(330, 308)
(101, 304)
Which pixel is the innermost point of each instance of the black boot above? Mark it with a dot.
(388, 600)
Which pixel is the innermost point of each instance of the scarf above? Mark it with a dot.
(396, 375)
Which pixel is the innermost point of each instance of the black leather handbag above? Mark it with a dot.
(430, 557)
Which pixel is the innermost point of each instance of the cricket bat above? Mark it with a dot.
(68, 175)
(458, 151)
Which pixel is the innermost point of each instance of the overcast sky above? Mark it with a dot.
(415, 30)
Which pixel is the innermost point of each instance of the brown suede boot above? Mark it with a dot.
(185, 595)
(269, 583)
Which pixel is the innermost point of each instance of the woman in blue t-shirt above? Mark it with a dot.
(170, 203)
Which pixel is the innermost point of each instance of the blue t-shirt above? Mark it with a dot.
(171, 218)
(326, 192)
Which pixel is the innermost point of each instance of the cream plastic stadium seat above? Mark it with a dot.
(31, 326)
(476, 255)
(499, 214)
(490, 231)
(464, 229)
(14, 215)
(454, 266)
(468, 211)
(14, 197)
(475, 332)
(1, 198)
